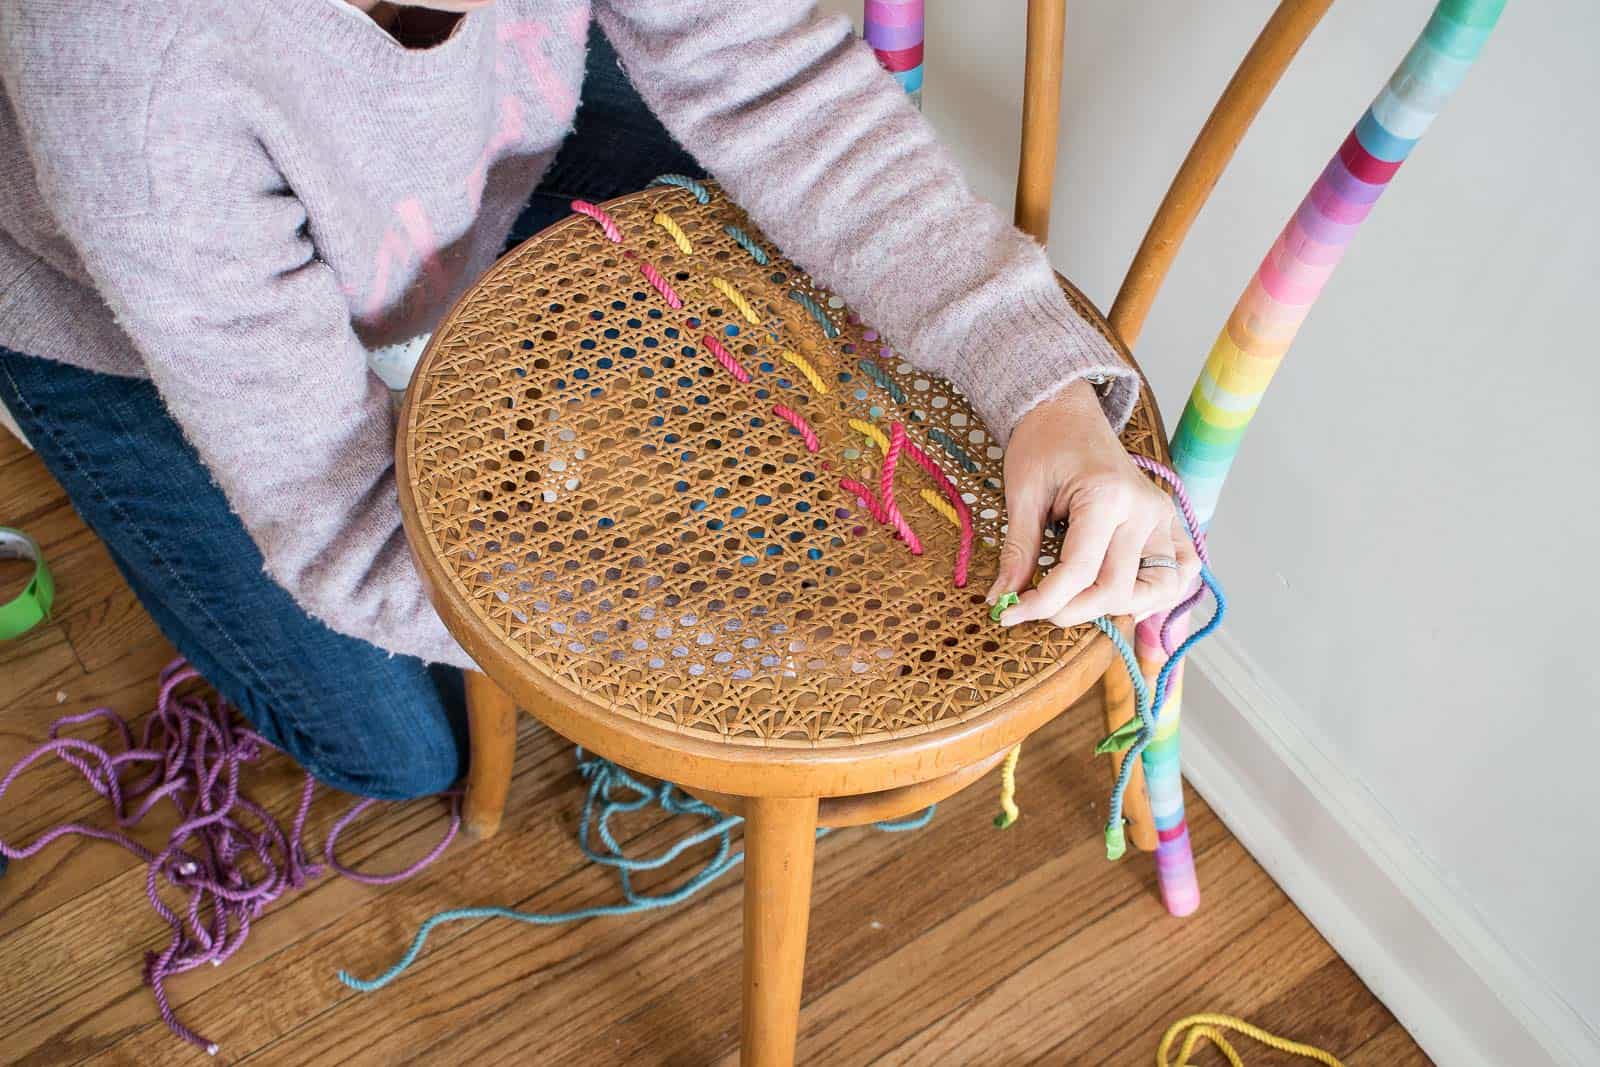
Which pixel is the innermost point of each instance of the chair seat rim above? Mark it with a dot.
(784, 767)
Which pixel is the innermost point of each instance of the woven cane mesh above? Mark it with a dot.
(643, 530)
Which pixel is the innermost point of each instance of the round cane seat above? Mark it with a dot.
(636, 546)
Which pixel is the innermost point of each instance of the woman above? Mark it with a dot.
(216, 218)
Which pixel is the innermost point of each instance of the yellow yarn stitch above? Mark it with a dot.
(941, 505)
(805, 368)
(1205, 1026)
(873, 432)
(681, 239)
(1008, 788)
(737, 299)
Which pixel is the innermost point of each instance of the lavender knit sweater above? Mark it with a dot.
(239, 199)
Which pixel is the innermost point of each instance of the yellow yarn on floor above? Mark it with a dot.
(1205, 1027)
(681, 239)
(1008, 788)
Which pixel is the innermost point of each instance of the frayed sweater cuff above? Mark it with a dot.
(1030, 349)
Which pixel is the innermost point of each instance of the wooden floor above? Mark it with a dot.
(958, 944)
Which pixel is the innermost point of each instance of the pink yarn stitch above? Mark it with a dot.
(725, 358)
(195, 751)
(866, 497)
(963, 513)
(607, 223)
(1179, 493)
(794, 419)
(654, 277)
(891, 460)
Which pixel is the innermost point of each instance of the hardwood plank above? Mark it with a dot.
(1101, 976)
(51, 791)
(957, 944)
(12, 449)
(26, 488)
(1391, 1047)
(84, 572)
(102, 630)
(342, 924)
(36, 664)
(1331, 1008)
(512, 968)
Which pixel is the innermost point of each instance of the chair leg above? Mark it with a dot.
(780, 840)
(1119, 700)
(492, 727)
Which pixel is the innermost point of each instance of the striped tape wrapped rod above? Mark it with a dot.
(1264, 322)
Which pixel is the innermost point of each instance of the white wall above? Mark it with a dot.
(1409, 537)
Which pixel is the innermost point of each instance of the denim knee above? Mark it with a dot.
(397, 746)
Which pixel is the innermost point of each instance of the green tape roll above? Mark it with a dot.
(31, 606)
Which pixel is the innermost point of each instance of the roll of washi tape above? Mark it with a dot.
(894, 30)
(900, 58)
(31, 606)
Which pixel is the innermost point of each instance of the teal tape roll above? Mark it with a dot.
(31, 606)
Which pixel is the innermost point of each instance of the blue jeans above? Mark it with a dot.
(356, 717)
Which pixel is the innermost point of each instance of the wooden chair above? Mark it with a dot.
(511, 557)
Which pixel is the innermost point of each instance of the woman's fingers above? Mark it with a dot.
(1188, 557)
(1101, 574)
(1114, 586)
(1159, 588)
(1083, 552)
(1025, 522)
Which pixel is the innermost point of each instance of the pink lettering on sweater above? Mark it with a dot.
(409, 250)
(527, 39)
(576, 21)
(509, 133)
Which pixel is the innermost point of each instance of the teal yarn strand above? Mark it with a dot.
(700, 192)
(1147, 704)
(882, 380)
(915, 822)
(828, 328)
(613, 791)
(747, 243)
(955, 451)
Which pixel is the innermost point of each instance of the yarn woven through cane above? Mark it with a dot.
(645, 531)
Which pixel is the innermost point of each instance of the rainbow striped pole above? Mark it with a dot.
(894, 30)
(1264, 322)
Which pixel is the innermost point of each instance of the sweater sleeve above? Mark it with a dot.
(825, 152)
(247, 337)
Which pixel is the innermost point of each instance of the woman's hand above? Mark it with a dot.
(1065, 463)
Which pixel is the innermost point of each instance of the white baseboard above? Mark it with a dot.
(1351, 868)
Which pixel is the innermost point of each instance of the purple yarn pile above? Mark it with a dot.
(227, 859)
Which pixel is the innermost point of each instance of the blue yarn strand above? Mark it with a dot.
(613, 791)
(882, 380)
(747, 243)
(700, 192)
(942, 439)
(828, 328)
(1147, 705)
(915, 822)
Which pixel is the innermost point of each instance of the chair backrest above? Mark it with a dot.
(1213, 147)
